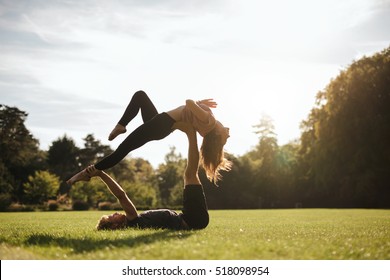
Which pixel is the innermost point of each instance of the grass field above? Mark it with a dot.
(309, 234)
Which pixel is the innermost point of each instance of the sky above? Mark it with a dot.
(73, 65)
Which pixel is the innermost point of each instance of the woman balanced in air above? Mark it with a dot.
(157, 126)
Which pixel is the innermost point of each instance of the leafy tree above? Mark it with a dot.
(5, 201)
(91, 192)
(63, 160)
(265, 156)
(286, 179)
(95, 191)
(170, 174)
(7, 180)
(176, 195)
(134, 170)
(140, 179)
(20, 153)
(345, 149)
(238, 187)
(93, 151)
(40, 187)
(100, 192)
(142, 195)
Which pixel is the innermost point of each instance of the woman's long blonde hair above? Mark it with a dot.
(212, 156)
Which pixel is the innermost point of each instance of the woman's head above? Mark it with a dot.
(113, 221)
(212, 152)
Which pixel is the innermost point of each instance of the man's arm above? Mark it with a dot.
(191, 172)
(116, 190)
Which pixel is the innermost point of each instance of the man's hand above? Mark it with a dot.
(92, 171)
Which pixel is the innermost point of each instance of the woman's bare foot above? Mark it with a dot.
(81, 176)
(118, 129)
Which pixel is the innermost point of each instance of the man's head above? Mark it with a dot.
(113, 221)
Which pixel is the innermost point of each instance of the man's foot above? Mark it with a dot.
(118, 129)
(81, 176)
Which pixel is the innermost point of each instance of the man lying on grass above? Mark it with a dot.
(194, 215)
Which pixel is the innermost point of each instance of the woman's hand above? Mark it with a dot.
(208, 102)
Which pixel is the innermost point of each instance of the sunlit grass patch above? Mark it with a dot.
(231, 234)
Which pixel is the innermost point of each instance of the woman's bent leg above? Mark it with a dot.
(139, 101)
(157, 128)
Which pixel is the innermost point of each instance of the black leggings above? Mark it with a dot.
(155, 127)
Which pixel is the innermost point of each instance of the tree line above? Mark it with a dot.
(342, 158)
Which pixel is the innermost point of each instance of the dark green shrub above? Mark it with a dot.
(116, 206)
(105, 205)
(80, 205)
(52, 205)
(5, 201)
(17, 207)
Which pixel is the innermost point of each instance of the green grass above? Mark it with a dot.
(318, 234)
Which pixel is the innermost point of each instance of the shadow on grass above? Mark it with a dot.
(85, 244)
